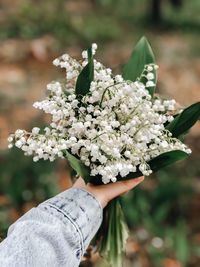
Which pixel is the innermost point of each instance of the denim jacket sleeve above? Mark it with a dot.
(56, 233)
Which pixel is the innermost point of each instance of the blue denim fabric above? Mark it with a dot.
(56, 233)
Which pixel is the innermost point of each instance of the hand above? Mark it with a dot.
(105, 193)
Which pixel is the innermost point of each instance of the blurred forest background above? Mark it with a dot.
(164, 212)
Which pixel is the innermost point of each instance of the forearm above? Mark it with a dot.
(56, 233)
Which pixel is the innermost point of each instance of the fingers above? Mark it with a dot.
(130, 184)
(79, 183)
(104, 193)
(113, 190)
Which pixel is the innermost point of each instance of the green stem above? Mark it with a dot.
(112, 85)
(113, 233)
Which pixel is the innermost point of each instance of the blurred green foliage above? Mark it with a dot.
(161, 209)
(34, 19)
(24, 181)
(102, 20)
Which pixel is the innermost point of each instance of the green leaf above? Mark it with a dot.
(130, 176)
(141, 55)
(86, 76)
(185, 120)
(77, 165)
(158, 162)
(166, 159)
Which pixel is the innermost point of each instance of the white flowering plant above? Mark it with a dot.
(109, 128)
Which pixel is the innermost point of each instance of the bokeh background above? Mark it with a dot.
(164, 212)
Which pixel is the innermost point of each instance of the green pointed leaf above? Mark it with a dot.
(86, 76)
(185, 120)
(166, 159)
(141, 55)
(77, 165)
(130, 176)
(158, 163)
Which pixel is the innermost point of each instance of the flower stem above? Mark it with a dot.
(113, 232)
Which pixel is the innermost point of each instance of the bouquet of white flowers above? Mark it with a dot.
(110, 128)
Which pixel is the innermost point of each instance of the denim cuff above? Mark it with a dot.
(82, 209)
